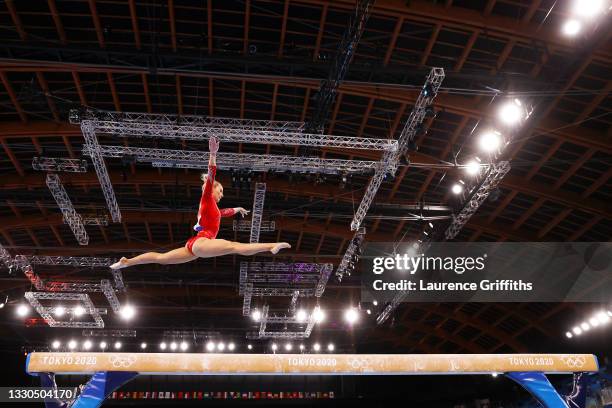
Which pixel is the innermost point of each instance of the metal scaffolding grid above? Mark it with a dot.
(257, 212)
(245, 225)
(64, 260)
(54, 164)
(71, 217)
(83, 298)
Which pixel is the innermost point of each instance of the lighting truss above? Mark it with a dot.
(64, 260)
(351, 256)
(189, 159)
(6, 258)
(494, 175)
(293, 303)
(91, 142)
(390, 160)
(150, 126)
(109, 292)
(71, 217)
(195, 334)
(84, 287)
(245, 225)
(339, 67)
(281, 279)
(59, 164)
(96, 220)
(267, 319)
(109, 333)
(77, 117)
(45, 312)
(257, 212)
(118, 278)
(33, 277)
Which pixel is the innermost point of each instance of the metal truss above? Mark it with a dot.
(351, 256)
(33, 277)
(257, 212)
(194, 334)
(109, 292)
(339, 66)
(96, 220)
(189, 159)
(118, 278)
(71, 217)
(59, 164)
(245, 225)
(494, 175)
(73, 287)
(77, 116)
(83, 298)
(109, 333)
(390, 160)
(177, 130)
(6, 258)
(64, 260)
(282, 279)
(285, 320)
(91, 142)
(293, 303)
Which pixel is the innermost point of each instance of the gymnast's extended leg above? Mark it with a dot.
(206, 248)
(176, 256)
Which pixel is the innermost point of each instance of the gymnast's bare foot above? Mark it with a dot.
(122, 263)
(279, 246)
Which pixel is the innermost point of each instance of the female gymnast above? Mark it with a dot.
(205, 244)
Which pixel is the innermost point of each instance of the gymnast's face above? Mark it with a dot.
(217, 192)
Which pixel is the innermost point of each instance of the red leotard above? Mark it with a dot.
(209, 215)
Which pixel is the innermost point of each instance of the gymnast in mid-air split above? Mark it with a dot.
(205, 244)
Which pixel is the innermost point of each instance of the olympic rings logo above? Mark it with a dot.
(357, 364)
(122, 362)
(574, 362)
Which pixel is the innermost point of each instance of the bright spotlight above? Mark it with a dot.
(87, 345)
(572, 27)
(603, 317)
(369, 311)
(302, 347)
(351, 315)
(288, 347)
(173, 346)
(494, 375)
(318, 315)
(59, 311)
(609, 313)
(457, 188)
(274, 347)
(375, 303)
(163, 345)
(231, 347)
(256, 315)
(56, 344)
(184, 346)
(301, 316)
(472, 168)
(588, 8)
(118, 345)
(569, 335)
(22, 310)
(250, 347)
(490, 141)
(316, 347)
(331, 347)
(143, 345)
(78, 311)
(210, 346)
(585, 326)
(511, 112)
(594, 321)
(72, 344)
(103, 345)
(221, 346)
(127, 312)
(577, 331)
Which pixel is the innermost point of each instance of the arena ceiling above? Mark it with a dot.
(265, 60)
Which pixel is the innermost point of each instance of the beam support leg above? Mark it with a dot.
(100, 386)
(538, 385)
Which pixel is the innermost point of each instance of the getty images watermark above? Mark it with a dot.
(488, 272)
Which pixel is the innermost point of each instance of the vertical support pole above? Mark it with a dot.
(48, 380)
(538, 385)
(100, 386)
(577, 398)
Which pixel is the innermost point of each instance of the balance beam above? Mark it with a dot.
(111, 370)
